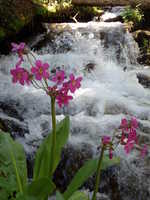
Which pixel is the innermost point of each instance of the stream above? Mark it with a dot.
(105, 54)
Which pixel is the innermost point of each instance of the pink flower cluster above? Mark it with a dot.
(23, 76)
(63, 87)
(39, 72)
(128, 138)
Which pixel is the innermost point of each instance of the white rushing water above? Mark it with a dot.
(108, 93)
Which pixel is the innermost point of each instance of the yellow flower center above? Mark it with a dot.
(19, 75)
(40, 70)
(73, 82)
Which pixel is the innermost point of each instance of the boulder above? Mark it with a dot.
(144, 80)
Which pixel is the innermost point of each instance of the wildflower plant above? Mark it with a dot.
(127, 137)
(59, 88)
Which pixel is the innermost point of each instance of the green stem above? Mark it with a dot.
(98, 173)
(53, 148)
(16, 171)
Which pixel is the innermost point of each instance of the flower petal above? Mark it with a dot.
(38, 63)
(45, 66)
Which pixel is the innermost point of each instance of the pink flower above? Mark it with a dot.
(40, 70)
(106, 140)
(134, 123)
(19, 48)
(20, 75)
(74, 83)
(144, 151)
(132, 136)
(123, 138)
(65, 86)
(63, 98)
(124, 125)
(128, 147)
(110, 153)
(59, 77)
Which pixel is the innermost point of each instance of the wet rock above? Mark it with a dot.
(58, 39)
(113, 14)
(144, 80)
(89, 67)
(142, 37)
(10, 108)
(73, 157)
(13, 126)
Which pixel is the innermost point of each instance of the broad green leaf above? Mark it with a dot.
(43, 155)
(79, 196)
(40, 188)
(12, 160)
(85, 172)
(81, 176)
(59, 196)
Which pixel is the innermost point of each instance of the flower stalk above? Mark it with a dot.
(98, 173)
(53, 147)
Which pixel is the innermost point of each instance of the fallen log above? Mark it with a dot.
(144, 4)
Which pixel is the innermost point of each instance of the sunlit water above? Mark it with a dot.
(108, 93)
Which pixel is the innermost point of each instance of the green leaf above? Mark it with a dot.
(13, 160)
(8, 184)
(81, 176)
(43, 155)
(40, 188)
(3, 195)
(86, 171)
(79, 196)
(59, 196)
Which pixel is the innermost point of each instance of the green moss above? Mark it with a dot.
(133, 14)
(97, 10)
